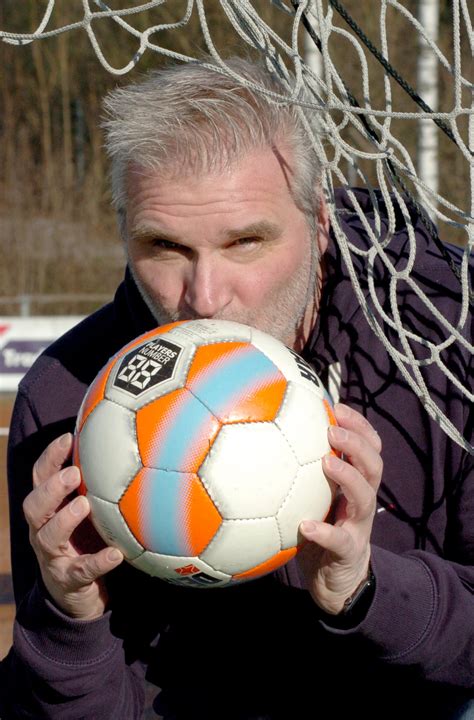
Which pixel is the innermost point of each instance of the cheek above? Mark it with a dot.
(160, 283)
(278, 274)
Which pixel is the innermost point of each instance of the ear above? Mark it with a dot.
(322, 227)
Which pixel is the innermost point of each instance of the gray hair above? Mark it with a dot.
(194, 119)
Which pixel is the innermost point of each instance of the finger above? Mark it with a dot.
(53, 538)
(43, 502)
(360, 496)
(88, 568)
(359, 451)
(329, 537)
(352, 420)
(52, 459)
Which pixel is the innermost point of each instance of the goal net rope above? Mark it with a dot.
(352, 132)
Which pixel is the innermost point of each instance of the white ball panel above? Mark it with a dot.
(249, 470)
(303, 421)
(108, 451)
(204, 332)
(289, 363)
(240, 545)
(177, 379)
(111, 526)
(165, 567)
(277, 352)
(310, 499)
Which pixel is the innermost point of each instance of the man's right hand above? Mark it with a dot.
(73, 579)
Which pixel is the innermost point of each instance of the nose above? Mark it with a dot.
(208, 289)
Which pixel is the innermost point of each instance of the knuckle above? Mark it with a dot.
(377, 441)
(357, 442)
(366, 425)
(378, 467)
(50, 538)
(41, 466)
(371, 496)
(36, 471)
(57, 573)
(367, 505)
(42, 545)
(27, 509)
(358, 421)
(85, 571)
(81, 575)
(345, 542)
(44, 491)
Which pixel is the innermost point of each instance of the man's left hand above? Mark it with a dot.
(336, 559)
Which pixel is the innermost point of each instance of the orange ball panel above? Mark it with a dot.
(276, 561)
(175, 432)
(132, 508)
(208, 357)
(332, 421)
(244, 396)
(95, 394)
(170, 512)
(82, 490)
(261, 405)
(201, 517)
(329, 412)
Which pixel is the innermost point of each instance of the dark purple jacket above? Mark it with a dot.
(262, 650)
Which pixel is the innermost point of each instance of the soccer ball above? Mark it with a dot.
(200, 446)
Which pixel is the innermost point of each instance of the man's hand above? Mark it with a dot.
(336, 559)
(72, 579)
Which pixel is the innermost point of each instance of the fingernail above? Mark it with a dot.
(77, 506)
(69, 476)
(65, 441)
(113, 555)
(338, 433)
(308, 526)
(333, 463)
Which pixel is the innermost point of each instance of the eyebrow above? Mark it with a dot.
(262, 228)
(144, 232)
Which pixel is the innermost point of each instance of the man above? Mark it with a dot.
(221, 210)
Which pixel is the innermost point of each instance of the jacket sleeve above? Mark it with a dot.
(65, 669)
(57, 667)
(422, 613)
(30, 433)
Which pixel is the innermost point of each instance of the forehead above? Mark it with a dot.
(262, 173)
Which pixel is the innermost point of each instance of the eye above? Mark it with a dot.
(165, 248)
(165, 244)
(248, 248)
(247, 242)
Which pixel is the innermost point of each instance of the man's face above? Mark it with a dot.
(230, 246)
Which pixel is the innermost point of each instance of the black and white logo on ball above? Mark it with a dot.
(147, 366)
